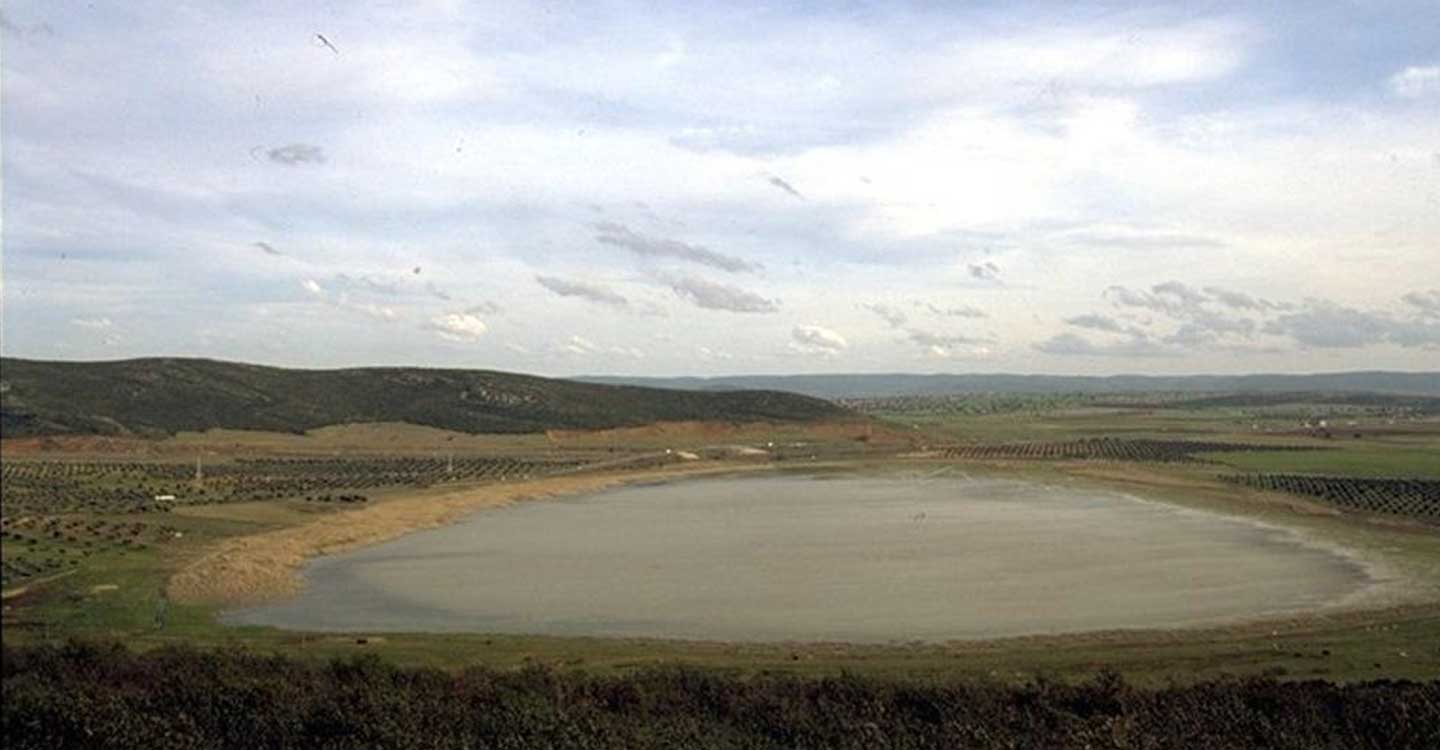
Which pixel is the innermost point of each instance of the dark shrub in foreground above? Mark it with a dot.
(104, 696)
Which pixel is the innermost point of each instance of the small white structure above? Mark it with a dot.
(164, 497)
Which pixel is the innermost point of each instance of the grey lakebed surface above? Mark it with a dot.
(861, 558)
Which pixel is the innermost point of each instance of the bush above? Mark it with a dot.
(87, 695)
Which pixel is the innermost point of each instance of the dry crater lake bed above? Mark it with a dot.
(849, 557)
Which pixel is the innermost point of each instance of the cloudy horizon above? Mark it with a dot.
(661, 189)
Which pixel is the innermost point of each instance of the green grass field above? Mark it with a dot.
(1345, 459)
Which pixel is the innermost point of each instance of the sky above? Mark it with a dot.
(703, 189)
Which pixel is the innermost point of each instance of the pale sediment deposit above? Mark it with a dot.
(800, 557)
(265, 566)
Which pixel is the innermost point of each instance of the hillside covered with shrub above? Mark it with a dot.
(164, 396)
(96, 696)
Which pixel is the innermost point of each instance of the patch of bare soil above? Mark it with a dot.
(77, 445)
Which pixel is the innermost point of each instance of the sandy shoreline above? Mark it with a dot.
(266, 566)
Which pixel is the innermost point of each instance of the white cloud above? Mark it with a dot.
(1415, 82)
(459, 326)
(968, 352)
(94, 323)
(400, 66)
(947, 346)
(629, 352)
(580, 345)
(1073, 155)
(817, 340)
(342, 300)
(1108, 55)
(379, 312)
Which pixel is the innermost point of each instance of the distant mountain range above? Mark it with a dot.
(164, 396)
(898, 384)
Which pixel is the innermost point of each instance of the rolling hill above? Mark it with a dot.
(164, 396)
(858, 385)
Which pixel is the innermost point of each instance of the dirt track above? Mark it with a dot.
(261, 567)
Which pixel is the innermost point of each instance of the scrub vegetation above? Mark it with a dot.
(166, 396)
(93, 696)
